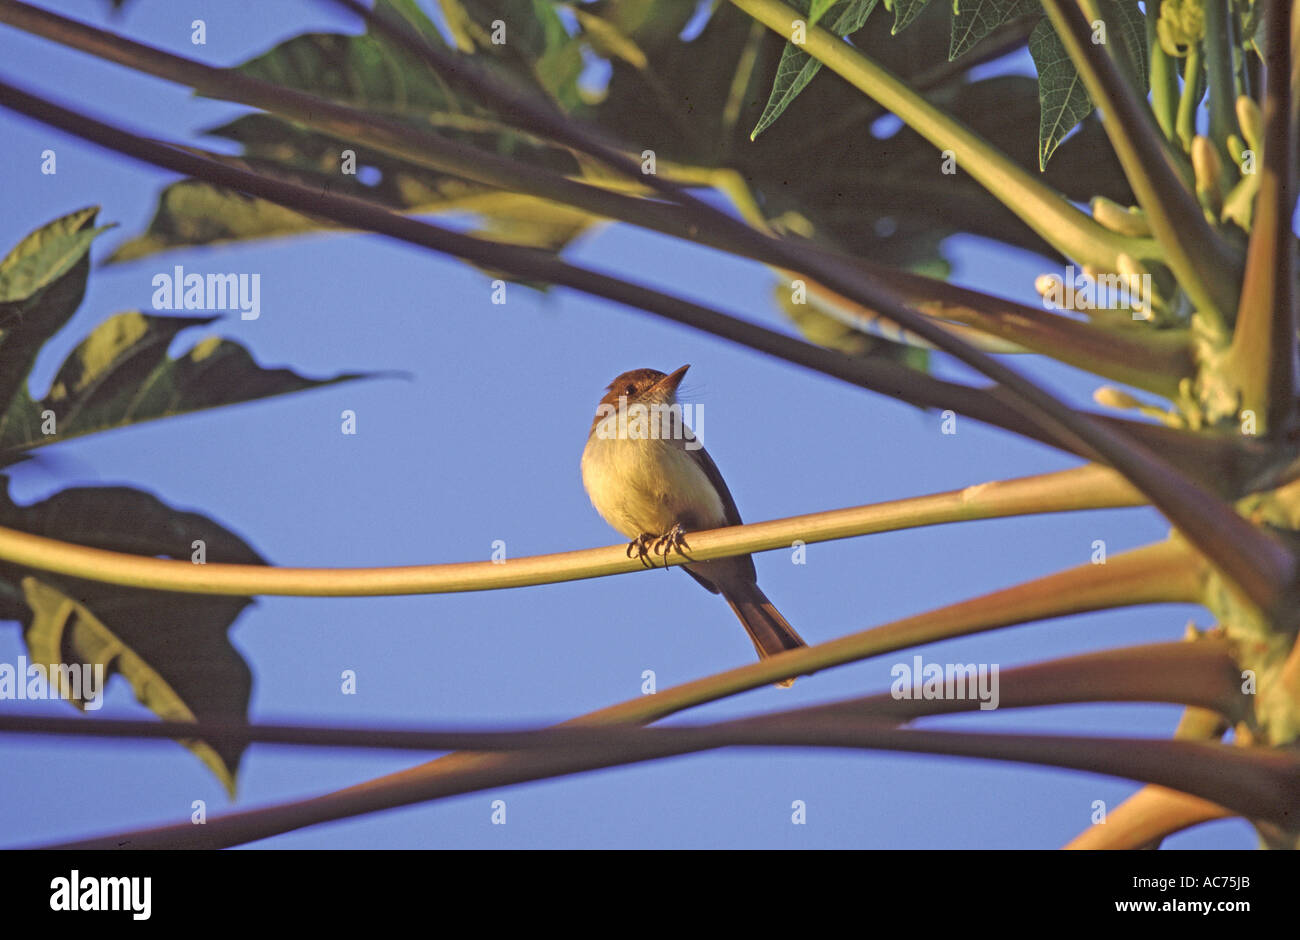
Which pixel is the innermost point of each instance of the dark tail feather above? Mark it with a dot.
(768, 630)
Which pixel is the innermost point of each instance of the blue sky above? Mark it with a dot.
(481, 443)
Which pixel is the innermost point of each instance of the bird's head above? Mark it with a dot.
(647, 386)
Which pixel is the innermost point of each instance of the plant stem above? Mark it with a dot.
(1088, 487)
(1262, 359)
(1154, 361)
(1164, 78)
(1201, 674)
(1190, 100)
(1151, 814)
(1218, 66)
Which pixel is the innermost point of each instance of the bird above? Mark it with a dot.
(649, 477)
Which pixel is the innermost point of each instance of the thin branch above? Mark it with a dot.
(1153, 813)
(1088, 487)
(1200, 674)
(1153, 360)
(1148, 816)
(1259, 783)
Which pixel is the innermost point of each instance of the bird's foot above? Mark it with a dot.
(641, 546)
(674, 538)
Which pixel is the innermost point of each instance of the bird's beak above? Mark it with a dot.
(670, 382)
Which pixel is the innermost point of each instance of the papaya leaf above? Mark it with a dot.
(1126, 20)
(173, 649)
(410, 11)
(47, 254)
(1063, 101)
(42, 282)
(120, 374)
(352, 69)
(905, 11)
(530, 43)
(192, 212)
(975, 19)
(797, 68)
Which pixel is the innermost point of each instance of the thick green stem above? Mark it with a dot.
(1164, 78)
(1218, 65)
(1189, 100)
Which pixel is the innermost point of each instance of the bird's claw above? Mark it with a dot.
(641, 545)
(674, 538)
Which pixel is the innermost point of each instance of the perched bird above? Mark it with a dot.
(650, 478)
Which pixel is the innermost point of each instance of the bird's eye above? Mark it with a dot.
(631, 389)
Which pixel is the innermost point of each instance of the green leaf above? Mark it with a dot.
(196, 213)
(1063, 101)
(46, 255)
(797, 68)
(905, 11)
(975, 19)
(410, 11)
(1123, 17)
(537, 50)
(42, 281)
(357, 70)
(120, 374)
(172, 648)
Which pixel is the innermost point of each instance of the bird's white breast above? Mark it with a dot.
(647, 485)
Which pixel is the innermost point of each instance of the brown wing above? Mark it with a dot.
(738, 567)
